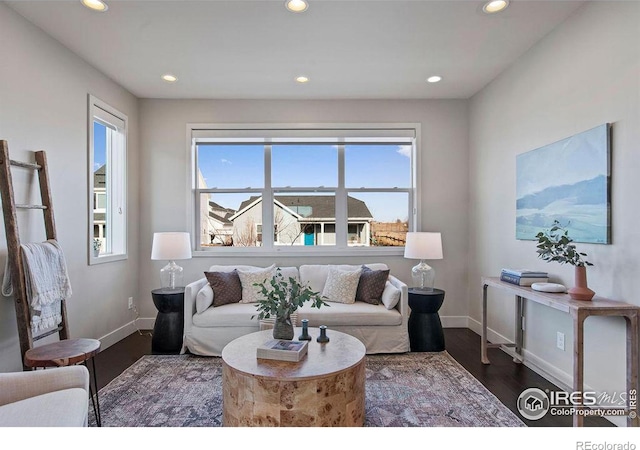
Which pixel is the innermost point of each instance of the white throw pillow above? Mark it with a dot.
(342, 285)
(390, 296)
(251, 293)
(204, 298)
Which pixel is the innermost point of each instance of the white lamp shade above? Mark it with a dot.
(171, 246)
(423, 245)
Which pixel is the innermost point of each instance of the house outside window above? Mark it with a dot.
(330, 189)
(107, 129)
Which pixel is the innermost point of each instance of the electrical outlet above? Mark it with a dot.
(560, 341)
(130, 304)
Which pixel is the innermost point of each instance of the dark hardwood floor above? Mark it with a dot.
(504, 378)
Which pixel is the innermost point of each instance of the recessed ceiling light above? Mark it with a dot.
(169, 78)
(296, 6)
(302, 79)
(434, 79)
(96, 5)
(495, 6)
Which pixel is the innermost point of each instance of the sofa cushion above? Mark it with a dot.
(355, 314)
(204, 298)
(226, 287)
(315, 275)
(65, 408)
(390, 296)
(251, 293)
(371, 285)
(230, 315)
(290, 272)
(341, 285)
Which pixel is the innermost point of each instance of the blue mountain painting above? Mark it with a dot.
(566, 181)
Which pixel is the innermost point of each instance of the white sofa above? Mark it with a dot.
(381, 330)
(56, 397)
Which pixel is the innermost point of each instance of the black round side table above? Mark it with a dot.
(169, 325)
(425, 328)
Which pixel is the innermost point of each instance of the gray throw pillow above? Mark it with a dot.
(371, 285)
(226, 287)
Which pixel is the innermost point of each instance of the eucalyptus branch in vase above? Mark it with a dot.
(555, 245)
(281, 297)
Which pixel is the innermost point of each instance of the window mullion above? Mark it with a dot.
(267, 201)
(341, 202)
(108, 176)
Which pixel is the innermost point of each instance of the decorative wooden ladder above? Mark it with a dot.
(66, 351)
(9, 207)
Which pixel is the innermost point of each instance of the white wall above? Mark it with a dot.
(583, 74)
(43, 106)
(444, 163)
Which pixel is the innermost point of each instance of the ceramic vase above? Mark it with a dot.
(283, 328)
(580, 291)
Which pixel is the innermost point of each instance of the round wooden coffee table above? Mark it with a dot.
(326, 388)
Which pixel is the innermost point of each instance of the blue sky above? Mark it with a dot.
(241, 166)
(99, 145)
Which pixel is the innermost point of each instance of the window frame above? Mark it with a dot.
(117, 156)
(195, 133)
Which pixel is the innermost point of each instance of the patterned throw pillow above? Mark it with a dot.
(226, 287)
(371, 285)
(251, 293)
(341, 285)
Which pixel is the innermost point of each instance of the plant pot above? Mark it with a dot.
(580, 291)
(283, 328)
(96, 252)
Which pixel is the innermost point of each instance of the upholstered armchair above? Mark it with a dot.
(56, 397)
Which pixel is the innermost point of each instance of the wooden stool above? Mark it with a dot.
(68, 352)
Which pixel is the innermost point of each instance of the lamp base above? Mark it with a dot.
(423, 276)
(171, 276)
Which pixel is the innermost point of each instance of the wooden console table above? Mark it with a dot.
(579, 311)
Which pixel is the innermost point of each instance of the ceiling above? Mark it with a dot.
(254, 49)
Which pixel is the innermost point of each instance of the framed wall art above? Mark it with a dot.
(568, 181)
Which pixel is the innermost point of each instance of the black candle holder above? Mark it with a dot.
(305, 331)
(323, 334)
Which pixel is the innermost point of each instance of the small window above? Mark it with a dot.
(107, 183)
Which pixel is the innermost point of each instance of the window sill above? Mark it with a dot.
(93, 260)
(300, 251)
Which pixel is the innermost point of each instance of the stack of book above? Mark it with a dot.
(282, 350)
(523, 277)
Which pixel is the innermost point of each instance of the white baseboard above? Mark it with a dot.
(119, 334)
(548, 371)
(146, 323)
(454, 321)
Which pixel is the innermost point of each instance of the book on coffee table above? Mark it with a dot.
(282, 350)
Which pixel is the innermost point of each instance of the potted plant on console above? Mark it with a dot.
(556, 245)
(281, 297)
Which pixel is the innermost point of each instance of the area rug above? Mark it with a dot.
(407, 390)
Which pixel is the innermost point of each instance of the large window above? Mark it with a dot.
(107, 182)
(327, 188)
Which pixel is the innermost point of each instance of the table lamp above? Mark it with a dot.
(423, 245)
(171, 246)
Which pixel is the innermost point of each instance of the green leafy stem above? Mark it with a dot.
(281, 296)
(556, 245)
